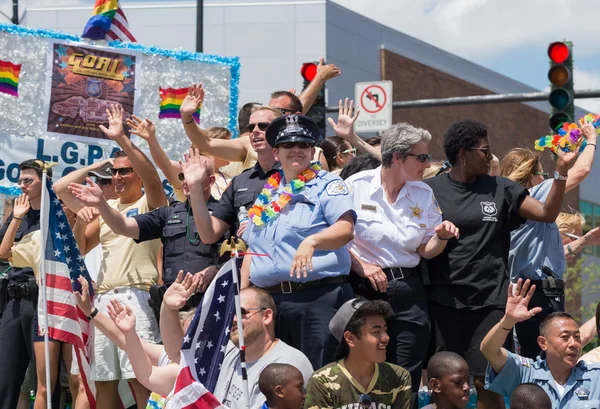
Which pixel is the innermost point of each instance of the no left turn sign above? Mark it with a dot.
(375, 101)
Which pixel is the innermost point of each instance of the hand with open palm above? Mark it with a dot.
(517, 305)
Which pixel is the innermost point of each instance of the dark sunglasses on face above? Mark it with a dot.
(246, 311)
(421, 158)
(543, 174)
(25, 182)
(292, 145)
(261, 125)
(486, 151)
(121, 171)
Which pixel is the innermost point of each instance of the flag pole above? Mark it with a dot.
(238, 313)
(43, 284)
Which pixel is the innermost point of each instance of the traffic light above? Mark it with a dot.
(560, 75)
(317, 111)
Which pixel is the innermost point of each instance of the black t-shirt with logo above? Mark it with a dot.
(471, 273)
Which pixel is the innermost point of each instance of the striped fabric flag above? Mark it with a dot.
(9, 78)
(170, 103)
(108, 22)
(204, 345)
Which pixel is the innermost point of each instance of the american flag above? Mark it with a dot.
(108, 22)
(204, 345)
(62, 264)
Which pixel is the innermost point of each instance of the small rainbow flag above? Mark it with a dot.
(108, 22)
(170, 103)
(9, 78)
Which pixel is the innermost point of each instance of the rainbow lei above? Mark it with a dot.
(568, 137)
(265, 210)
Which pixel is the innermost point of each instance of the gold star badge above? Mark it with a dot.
(416, 212)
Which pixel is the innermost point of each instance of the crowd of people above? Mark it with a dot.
(370, 272)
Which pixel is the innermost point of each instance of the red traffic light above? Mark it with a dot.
(558, 52)
(309, 71)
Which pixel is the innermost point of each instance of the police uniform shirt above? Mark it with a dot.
(471, 273)
(323, 201)
(242, 191)
(582, 389)
(30, 223)
(388, 235)
(182, 247)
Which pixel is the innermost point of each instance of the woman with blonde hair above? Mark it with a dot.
(570, 226)
(536, 247)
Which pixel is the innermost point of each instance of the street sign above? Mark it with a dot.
(374, 99)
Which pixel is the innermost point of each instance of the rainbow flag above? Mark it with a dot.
(170, 103)
(108, 22)
(9, 78)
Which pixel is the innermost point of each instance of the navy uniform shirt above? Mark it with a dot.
(182, 247)
(582, 389)
(242, 191)
(30, 222)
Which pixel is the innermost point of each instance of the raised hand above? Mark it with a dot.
(205, 277)
(83, 298)
(194, 167)
(123, 317)
(87, 214)
(327, 71)
(180, 291)
(344, 127)
(517, 305)
(193, 100)
(446, 230)
(115, 122)
(90, 194)
(21, 206)
(145, 128)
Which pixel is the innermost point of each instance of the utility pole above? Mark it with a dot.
(15, 16)
(199, 25)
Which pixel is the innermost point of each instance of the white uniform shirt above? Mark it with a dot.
(388, 235)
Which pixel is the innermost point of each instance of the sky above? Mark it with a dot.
(507, 36)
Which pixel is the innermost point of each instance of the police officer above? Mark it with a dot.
(398, 222)
(569, 383)
(174, 225)
(19, 295)
(300, 226)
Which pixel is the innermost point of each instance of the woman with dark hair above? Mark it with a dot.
(469, 279)
(338, 153)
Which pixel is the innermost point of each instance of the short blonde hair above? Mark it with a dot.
(519, 165)
(277, 113)
(218, 132)
(434, 169)
(570, 222)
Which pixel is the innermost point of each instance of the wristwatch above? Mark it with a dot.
(92, 314)
(558, 176)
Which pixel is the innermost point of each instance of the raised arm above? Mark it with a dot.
(517, 310)
(325, 72)
(591, 238)
(344, 129)
(234, 150)
(91, 195)
(546, 212)
(437, 243)
(583, 165)
(61, 186)
(20, 209)
(140, 162)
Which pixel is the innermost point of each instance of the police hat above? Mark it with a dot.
(292, 128)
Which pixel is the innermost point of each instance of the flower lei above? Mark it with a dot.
(265, 209)
(568, 137)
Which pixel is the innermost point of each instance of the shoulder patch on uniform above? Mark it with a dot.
(337, 188)
(436, 205)
(132, 212)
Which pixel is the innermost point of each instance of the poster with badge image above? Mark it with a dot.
(85, 81)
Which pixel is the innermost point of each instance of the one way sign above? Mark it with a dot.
(375, 101)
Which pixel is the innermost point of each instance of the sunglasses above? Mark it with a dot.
(545, 175)
(103, 182)
(25, 182)
(350, 151)
(421, 158)
(292, 145)
(261, 125)
(121, 171)
(285, 111)
(486, 151)
(246, 311)
(444, 168)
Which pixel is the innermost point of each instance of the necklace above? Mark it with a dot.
(187, 229)
(266, 210)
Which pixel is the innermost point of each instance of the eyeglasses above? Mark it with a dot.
(121, 171)
(25, 182)
(444, 168)
(245, 311)
(421, 158)
(486, 151)
(365, 401)
(285, 111)
(543, 174)
(350, 151)
(103, 182)
(292, 145)
(261, 125)
(572, 236)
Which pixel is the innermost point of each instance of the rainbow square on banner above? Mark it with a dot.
(170, 103)
(9, 78)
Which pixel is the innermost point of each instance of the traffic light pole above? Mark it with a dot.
(483, 99)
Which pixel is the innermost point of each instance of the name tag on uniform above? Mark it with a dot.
(243, 189)
(174, 221)
(422, 225)
(371, 208)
